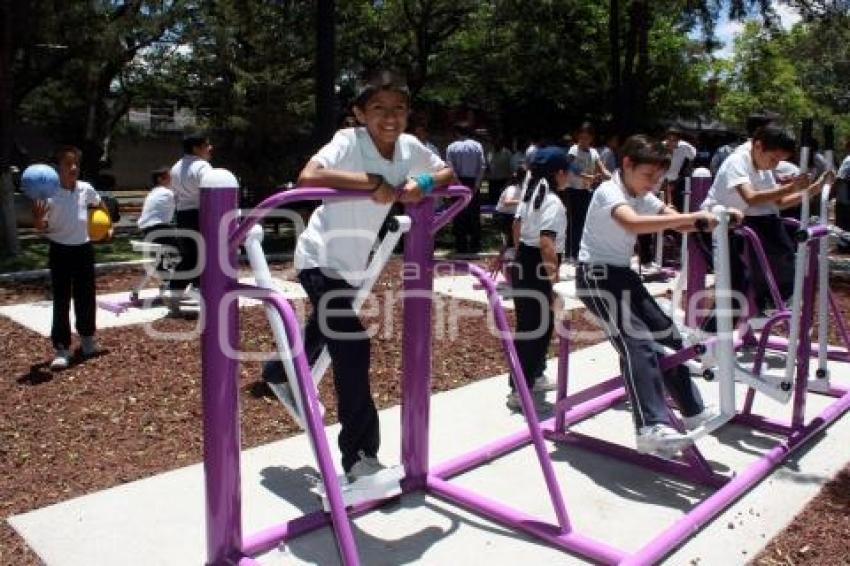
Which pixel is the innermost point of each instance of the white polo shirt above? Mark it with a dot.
(186, 177)
(158, 208)
(585, 162)
(511, 192)
(68, 214)
(684, 151)
(604, 241)
(738, 169)
(551, 217)
(340, 233)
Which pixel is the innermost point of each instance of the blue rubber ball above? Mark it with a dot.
(40, 181)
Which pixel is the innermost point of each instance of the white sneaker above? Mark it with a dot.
(62, 359)
(696, 421)
(660, 439)
(363, 468)
(545, 383)
(88, 346)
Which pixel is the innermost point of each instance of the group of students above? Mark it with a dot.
(171, 215)
(63, 219)
(379, 158)
(621, 208)
(623, 205)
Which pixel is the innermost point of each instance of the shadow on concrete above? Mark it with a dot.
(319, 547)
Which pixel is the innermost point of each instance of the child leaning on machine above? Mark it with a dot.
(622, 208)
(745, 181)
(64, 220)
(331, 254)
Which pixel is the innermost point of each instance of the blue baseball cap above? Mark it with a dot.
(550, 159)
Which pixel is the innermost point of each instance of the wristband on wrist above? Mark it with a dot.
(425, 182)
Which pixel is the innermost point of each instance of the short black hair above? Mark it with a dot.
(774, 138)
(193, 140)
(384, 79)
(643, 150)
(674, 131)
(463, 129)
(587, 127)
(758, 120)
(157, 173)
(68, 148)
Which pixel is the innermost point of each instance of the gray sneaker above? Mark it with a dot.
(661, 440)
(363, 468)
(88, 346)
(545, 383)
(513, 402)
(62, 359)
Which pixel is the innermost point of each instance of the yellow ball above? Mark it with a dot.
(99, 224)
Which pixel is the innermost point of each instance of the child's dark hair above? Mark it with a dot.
(643, 150)
(193, 140)
(758, 120)
(463, 129)
(157, 173)
(674, 131)
(774, 138)
(381, 80)
(586, 128)
(63, 149)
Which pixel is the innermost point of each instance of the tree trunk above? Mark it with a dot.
(644, 22)
(325, 71)
(628, 92)
(616, 79)
(9, 244)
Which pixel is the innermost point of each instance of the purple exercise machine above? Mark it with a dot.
(225, 541)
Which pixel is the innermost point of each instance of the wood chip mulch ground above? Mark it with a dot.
(134, 411)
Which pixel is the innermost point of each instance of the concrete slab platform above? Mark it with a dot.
(160, 520)
(38, 316)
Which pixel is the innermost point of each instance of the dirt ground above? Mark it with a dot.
(134, 411)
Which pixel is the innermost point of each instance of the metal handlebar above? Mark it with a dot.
(283, 197)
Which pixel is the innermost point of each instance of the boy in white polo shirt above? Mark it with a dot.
(186, 176)
(156, 219)
(622, 208)
(64, 220)
(332, 253)
(745, 182)
(582, 183)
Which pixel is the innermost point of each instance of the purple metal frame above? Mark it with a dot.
(225, 541)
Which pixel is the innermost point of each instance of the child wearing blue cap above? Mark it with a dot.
(540, 227)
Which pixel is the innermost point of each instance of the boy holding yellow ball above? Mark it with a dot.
(64, 218)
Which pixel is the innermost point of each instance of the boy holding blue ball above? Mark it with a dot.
(63, 218)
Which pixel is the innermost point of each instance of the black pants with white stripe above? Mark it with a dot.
(634, 323)
(534, 319)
